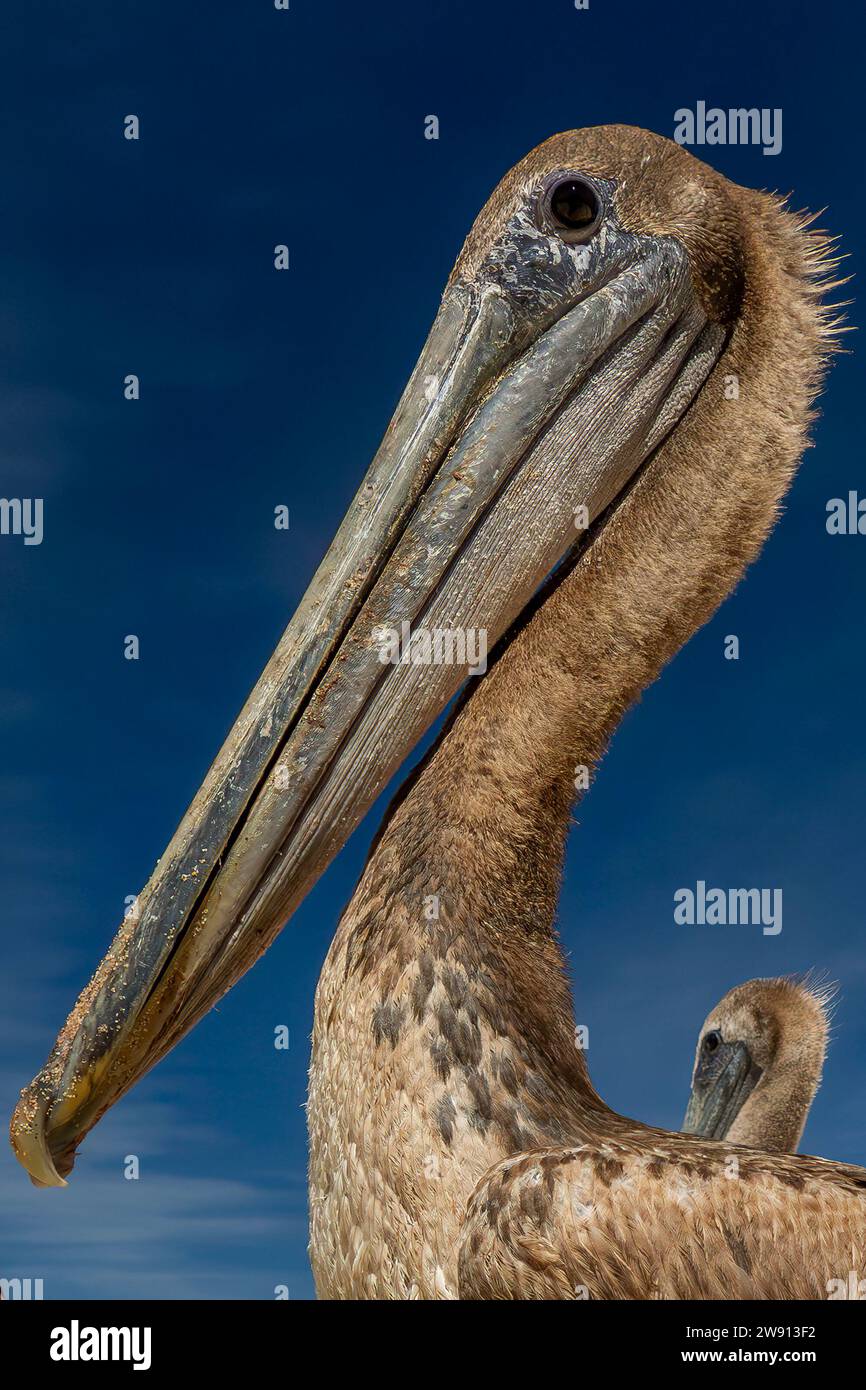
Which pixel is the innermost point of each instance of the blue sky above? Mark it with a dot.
(258, 388)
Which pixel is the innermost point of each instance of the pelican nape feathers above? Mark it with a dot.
(569, 473)
(758, 1064)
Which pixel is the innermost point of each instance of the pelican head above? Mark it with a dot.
(589, 316)
(758, 1064)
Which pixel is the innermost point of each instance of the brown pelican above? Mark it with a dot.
(626, 339)
(758, 1064)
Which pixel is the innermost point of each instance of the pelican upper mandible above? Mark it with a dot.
(571, 473)
(758, 1064)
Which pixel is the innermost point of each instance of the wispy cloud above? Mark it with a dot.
(169, 1234)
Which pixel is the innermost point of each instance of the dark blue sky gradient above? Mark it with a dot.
(260, 388)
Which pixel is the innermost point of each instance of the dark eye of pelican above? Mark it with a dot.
(574, 207)
(712, 1040)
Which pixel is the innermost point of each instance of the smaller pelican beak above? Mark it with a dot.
(549, 376)
(720, 1088)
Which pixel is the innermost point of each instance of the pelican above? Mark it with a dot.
(758, 1064)
(612, 401)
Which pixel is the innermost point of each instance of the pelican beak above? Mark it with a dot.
(551, 373)
(720, 1088)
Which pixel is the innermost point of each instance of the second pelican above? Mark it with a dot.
(758, 1064)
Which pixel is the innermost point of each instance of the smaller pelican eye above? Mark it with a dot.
(574, 207)
(712, 1040)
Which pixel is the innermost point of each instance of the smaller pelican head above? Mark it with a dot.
(758, 1064)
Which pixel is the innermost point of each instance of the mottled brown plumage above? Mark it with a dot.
(458, 1148)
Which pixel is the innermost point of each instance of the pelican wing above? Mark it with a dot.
(610, 1222)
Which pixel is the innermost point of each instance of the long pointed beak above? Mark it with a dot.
(720, 1089)
(524, 409)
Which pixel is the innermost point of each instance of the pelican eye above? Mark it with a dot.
(573, 206)
(712, 1040)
